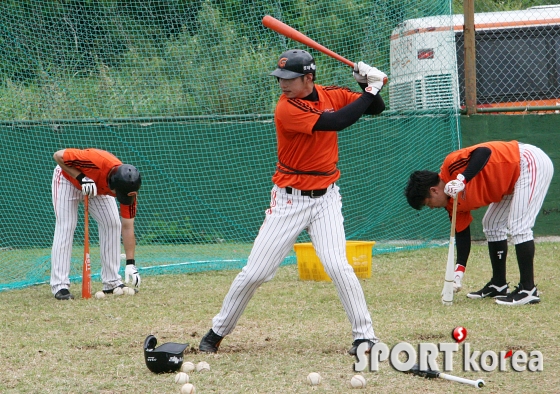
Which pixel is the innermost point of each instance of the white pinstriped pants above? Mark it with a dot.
(66, 198)
(287, 217)
(516, 213)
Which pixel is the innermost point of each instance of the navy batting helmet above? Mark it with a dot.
(294, 63)
(123, 180)
(165, 358)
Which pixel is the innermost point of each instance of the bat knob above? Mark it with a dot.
(385, 80)
(480, 383)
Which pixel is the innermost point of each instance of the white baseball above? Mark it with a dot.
(313, 378)
(181, 378)
(128, 291)
(99, 295)
(187, 367)
(118, 291)
(188, 389)
(202, 366)
(123, 256)
(358, 382)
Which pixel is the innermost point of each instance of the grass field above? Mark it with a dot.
(290, 328)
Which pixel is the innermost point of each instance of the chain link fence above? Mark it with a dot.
(517, 61)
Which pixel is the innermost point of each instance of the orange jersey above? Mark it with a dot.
(496, 180)
(96, 164)
(300, 149)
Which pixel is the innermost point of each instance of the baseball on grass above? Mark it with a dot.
(187, 367)
(128, 291)
(202, 366)
(358, 382)
(313, 379)
(188, 389)
(99, 295)
(181, 378)
(118, 291)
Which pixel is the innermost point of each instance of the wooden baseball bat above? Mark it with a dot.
(447, 293)
(290, 32)
(86, 268)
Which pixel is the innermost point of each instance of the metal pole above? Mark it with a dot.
(470, 57)
(544, 108)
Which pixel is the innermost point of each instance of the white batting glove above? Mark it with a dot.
(356, 73)
(362, 69)
(375, 79)
(89, 188)
(454, 187)
(131, 275)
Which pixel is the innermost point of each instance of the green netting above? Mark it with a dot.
(180, 89)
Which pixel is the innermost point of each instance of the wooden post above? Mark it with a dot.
(470, 57)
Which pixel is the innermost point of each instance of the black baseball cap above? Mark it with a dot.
(294, 63)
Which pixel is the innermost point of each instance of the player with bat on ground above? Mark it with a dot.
(512, 179)
(305, 196)
(102, 177)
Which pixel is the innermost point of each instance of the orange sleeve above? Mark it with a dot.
(129, 211)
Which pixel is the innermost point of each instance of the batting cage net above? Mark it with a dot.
(181, 90)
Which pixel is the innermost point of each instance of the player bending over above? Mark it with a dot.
(101, 176)
(512, 179)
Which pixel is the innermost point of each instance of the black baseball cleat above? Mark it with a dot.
(490, 290)
(354, 349)
(520, 296)
(122, 286)
(63, 294)
(210, 342)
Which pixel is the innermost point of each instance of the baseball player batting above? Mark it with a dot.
(305, 196)
(102, 177)
(512, 179)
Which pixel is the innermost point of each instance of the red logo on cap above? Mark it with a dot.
(282, 62)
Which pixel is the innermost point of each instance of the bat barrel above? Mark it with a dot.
(475, 383)
(288, 31)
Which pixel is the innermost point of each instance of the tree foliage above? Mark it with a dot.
(125, 58)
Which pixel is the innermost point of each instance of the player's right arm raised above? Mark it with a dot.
(369, 103)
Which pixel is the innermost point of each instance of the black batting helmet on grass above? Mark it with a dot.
(165, 358)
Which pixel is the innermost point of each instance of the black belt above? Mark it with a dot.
(309, 193)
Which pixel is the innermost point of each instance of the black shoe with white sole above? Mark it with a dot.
(490, 290)
(520, 296)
